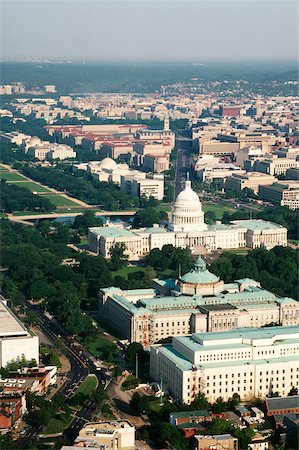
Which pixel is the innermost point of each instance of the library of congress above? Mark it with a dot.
(188, 229)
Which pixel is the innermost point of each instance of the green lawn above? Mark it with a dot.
(11, 176)
(95, 346)
(58, 200)
(33, 187)
(237, 251)
(88, 386)
(219, 210)
(124, 271)
(57, 424)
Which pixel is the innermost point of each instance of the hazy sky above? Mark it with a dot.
(149, 30)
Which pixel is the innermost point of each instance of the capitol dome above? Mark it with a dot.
(108, 164)
(187, 211)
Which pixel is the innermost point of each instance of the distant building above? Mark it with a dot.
(285, 193)
(14, 138)
(51, 88)
(274, 166)
(251, 180)
(141, 184)
(232, 111)
(156, 163)
(43, 150)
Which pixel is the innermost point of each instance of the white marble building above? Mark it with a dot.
(250, 362)
(187, 229)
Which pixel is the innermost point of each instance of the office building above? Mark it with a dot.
(108, 435)
(250, 362)
(198, 301)
(16, 342)
(284, 193)
(251, 180)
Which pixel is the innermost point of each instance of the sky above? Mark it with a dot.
(149, 30)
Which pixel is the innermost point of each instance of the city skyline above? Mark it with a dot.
(193, 31)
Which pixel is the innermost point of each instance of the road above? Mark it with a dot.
(81, 366)
(183, 162)
(55, 215)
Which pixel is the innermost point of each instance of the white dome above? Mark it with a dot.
(35, 140)
(187, 211)
(187, 195)
(108, 164)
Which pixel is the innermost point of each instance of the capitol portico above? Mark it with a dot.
(187, 229)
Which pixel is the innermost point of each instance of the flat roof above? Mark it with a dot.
(224, 306)
(257, 224)
(113, 232)
(10, 325)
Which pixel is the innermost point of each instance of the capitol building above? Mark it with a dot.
(187, 229)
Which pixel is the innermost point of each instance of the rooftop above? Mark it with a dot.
(10, 325)
(259, 225)
(112, 232)
(278, 403)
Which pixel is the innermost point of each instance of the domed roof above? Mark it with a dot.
(35, 140)
(187, 195)
(108, 164)
(200, 274)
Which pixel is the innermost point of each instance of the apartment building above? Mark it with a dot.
(250, 362)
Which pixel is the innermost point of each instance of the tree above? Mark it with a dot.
(210, 217)
(140, 403)
(219, 406)
(87, 220)
(293, 391)
(200, 402)
(148, 216)
(132, 350)
(171, 436)
(118, 257)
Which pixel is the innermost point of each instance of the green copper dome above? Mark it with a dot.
(200, 274)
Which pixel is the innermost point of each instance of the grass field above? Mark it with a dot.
(10, 176)
(124, 271)
(237, 251)
(219, 210)
(58, 200)
(95, 347)
(57, 424)
(33, 187)
(88, 386)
